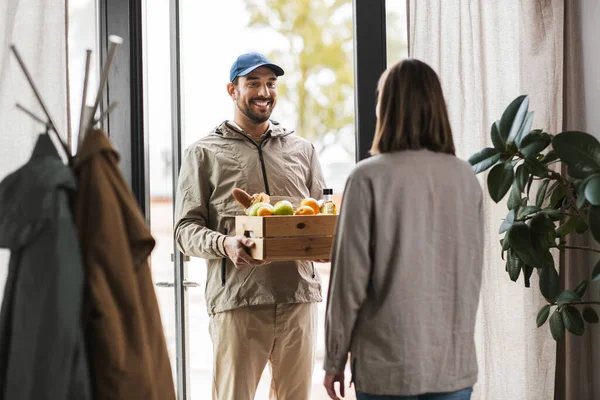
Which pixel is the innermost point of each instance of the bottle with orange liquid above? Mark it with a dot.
(328, 206)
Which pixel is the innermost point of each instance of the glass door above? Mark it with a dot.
(312, 41)
(157, 99)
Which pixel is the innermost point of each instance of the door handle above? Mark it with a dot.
(186, 284)
(185, 258)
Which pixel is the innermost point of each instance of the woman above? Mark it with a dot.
(408, 254)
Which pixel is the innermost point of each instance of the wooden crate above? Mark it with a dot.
(288, 237)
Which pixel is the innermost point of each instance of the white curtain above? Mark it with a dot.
(487, 53)
(38, 29)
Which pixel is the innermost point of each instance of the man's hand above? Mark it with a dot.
(329, 383)
(235, 247)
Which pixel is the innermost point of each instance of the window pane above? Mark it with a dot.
(83, 35)
(158, 111)
(396, 35)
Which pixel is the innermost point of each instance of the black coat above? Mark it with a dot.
(42, 349)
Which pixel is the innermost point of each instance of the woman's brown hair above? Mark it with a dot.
(412, 112)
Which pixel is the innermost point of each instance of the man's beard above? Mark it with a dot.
(246, 109)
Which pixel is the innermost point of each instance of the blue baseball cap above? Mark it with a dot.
(248, 62)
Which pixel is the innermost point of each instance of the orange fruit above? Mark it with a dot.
(264, 211)
(312, 203)
(305, 210)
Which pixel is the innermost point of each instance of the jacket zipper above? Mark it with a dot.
(261, 158)
(224, 268)
(262, 164)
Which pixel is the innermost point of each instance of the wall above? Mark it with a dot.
(37, 28)
(590, 14)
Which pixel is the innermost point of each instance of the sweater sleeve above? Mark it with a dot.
(192, 235)
(351, 268)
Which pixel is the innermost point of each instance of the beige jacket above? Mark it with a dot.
(406, 274)
(284, 166)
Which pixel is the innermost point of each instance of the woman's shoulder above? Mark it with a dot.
(411, 163)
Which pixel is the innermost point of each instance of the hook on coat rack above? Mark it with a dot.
(83, 113)
(114, 41)
(32, 115)
(34, 88)
(49, 123)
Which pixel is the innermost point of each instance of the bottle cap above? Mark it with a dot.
(327, 191)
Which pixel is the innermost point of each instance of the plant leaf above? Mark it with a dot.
(504, 244)
(529, 182)
(592, 190)
(578, 149)
(515, 265)
(594, 222)
(484, 159)
(541, 223)
(539, 249)
(549, 282)
(536, 167)
(515, 197)
(521, 176)
(590, 315)
(555, 215)
(541, 193)
(557, 326)
(512, 118)
(576, 173)
(508, 222)
(581, 288)
(525, 128)
(552, 188)
(519, 238)
(568, 296)
(596, 272)
(572, 320)
(499, 181)
(557, 197)
(549, 157)
(527, 272)
(534, 143)
(542, 315)
(527, 211)
(580, 195)
(570, 225)
(499, 144)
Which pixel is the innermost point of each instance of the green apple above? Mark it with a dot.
(283, 207)
(251, 211)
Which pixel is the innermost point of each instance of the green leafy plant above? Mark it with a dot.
(539, 220)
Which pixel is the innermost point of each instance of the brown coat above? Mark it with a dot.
(128, 351)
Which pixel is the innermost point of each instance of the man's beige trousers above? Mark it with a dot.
(245, 339)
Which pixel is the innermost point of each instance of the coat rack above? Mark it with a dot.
(115, 42)
(88, 114)
(49, 123)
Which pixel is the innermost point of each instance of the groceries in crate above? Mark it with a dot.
(247, 200)
(259, 204)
